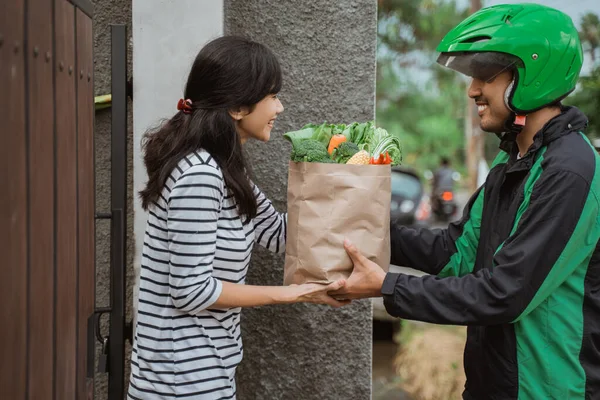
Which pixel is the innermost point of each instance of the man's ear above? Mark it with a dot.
(238, 114)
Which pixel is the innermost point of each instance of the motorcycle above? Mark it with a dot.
(443, 205)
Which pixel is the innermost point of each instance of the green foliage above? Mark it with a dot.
(419, 101)
(587, 99)
(589, 33)
(587, 95)
(408, 25)
(429, 127)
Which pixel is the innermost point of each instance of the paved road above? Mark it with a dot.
(386, 384)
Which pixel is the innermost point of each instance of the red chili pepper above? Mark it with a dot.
(378, 160)
(387, 159)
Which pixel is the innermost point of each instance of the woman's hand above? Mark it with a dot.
(316, 293)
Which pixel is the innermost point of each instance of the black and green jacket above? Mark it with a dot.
(521, 269)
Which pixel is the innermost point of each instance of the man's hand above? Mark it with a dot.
(366, 278)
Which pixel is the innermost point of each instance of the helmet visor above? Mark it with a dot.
(483, 65)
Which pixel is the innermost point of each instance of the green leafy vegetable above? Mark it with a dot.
(344, 152)
(348, 131)
(323, 133)
(362, 132)
(359, 136)
(338, 129)
(297, 136)
(310, 150)
(381, 142)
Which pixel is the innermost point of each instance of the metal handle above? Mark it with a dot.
(90, 347)
(116, 349)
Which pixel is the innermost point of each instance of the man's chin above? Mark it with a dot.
(491, 129)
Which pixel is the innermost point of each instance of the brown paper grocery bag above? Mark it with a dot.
(330, 202)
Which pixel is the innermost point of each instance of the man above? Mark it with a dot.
(522, 267)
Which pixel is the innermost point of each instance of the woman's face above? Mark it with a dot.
(257, 124)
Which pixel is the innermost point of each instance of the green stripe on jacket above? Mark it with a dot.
(547, 352)
(461, 263)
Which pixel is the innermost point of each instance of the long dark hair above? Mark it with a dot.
(228, 74)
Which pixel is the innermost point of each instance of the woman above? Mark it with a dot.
(204, 217)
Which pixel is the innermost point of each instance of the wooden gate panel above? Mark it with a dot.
(86, 192)
(41, 198)
(47, 204)
(66, 201)
(13, 202)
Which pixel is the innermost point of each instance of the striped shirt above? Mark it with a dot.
(194, 240)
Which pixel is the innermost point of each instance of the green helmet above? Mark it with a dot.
(540, 44)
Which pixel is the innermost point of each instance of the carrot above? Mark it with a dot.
(335, 141)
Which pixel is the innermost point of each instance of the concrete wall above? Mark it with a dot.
(328, 54)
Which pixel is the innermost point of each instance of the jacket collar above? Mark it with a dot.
(571, 119)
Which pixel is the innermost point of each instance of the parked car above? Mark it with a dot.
(410, 205)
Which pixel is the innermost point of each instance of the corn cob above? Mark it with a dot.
(360, 158)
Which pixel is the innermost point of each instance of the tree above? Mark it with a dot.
(418, 100)
(587, 99)
(474, 136)
(587, 94)
(590, 33)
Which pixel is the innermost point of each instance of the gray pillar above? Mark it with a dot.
(328, 51)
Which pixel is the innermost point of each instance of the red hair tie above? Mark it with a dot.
(185, 106)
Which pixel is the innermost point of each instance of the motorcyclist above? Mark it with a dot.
(443, 178)
(443, 182)
(521, 269)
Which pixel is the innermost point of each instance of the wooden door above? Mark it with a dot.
(47, 200)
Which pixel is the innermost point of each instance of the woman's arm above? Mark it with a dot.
(236, 295)
(194, 206)
(193, 211)
(270, 226)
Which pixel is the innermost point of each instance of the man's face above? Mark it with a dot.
(489, 97)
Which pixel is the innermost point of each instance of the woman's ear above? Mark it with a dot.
(238, 114)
